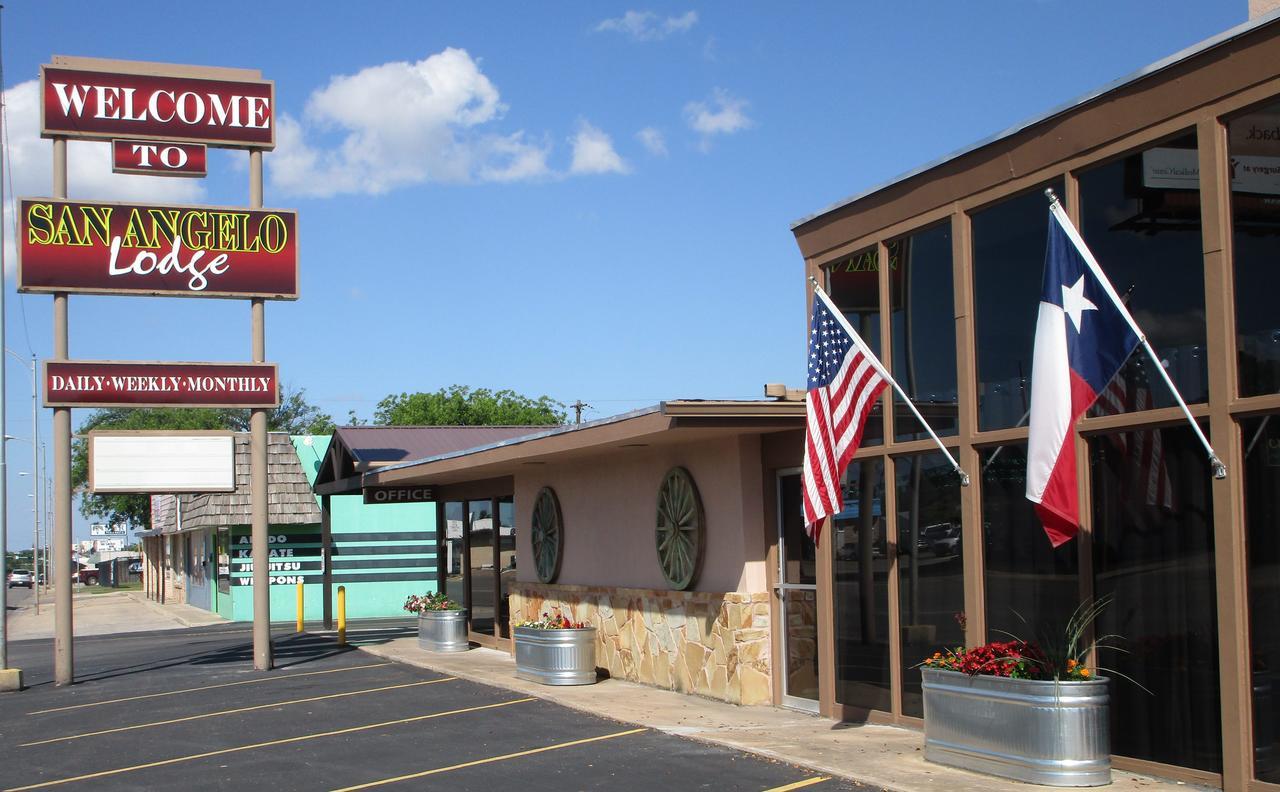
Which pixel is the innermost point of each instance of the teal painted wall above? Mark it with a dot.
(381, 554)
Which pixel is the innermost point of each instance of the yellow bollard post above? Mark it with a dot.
(300, 607)
(342, 615)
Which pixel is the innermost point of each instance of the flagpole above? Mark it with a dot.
(1055, 207)
(880, 369)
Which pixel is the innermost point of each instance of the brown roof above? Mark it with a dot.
(289, 500)
(356, 449)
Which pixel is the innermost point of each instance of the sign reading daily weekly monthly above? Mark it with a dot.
(143, 249)
(86, 383)
(157, 102)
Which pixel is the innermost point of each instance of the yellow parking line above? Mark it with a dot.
(207, 687)
(232, 712)
(515, 755)
(800, 784)
(269, 744)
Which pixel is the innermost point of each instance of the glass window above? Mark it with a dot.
(924, 331)
(1261, 437)
(480, 551)
(1140, 216)
(506, 561)
(1008, 265)
(930, 571)
(1028, 582)
(1153, 553)
(862, 590)
(854, 286)
(1254, 144)
(798, 555)
(454, 582)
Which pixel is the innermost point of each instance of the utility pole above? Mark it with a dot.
(10, 678)
(578, 407)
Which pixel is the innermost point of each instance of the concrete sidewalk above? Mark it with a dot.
(884, 756)
(108, 614)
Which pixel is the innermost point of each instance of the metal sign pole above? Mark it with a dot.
(63, 656)
(258, 465)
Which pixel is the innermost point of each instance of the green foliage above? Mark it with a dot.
(294, 415)
(459, 405)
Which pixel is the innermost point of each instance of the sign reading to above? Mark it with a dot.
(398, 494)
(83, 383)
(87, 103)
(158, 159)
(176, 251)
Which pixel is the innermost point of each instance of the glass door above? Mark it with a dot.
(798, 594)
(480, 563)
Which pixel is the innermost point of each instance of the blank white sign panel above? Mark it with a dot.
(162, 463)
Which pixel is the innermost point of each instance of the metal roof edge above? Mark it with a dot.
(559, 430)
(1133, 77)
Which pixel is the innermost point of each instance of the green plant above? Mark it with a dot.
(435, 601)
(557, 622)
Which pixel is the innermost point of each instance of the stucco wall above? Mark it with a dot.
(609, 507)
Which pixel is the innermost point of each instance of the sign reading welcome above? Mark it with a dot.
(92, 103)
(83, 383)
(143, 249)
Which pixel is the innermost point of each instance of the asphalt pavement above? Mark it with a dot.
(184, 709)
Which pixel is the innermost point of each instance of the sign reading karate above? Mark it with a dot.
(83, 383)
(144, 249)
(158, 159)
(142, 101)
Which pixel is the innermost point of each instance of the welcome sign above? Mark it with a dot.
(143, 249)
(116, 99)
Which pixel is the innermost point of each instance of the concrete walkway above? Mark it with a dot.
(108, 614)
(884, 756)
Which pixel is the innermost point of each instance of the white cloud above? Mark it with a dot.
(593, 152)
(647, 26)
(400, 124)
(88, 166)
(722, 115)
(653, 141)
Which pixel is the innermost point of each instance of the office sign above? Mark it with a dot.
(93, 247)
(151, 158)
(383, 495)
(88, 383)
(85, 98)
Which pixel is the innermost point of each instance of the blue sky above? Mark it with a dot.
(596, 205)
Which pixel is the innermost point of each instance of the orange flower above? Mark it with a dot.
(1084, 672)
(1071, 664)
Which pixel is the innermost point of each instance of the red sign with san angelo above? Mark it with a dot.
(144, 249)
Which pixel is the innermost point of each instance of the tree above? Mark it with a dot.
(459, 405)
(294, 415)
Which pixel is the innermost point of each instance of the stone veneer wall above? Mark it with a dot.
(711, 644)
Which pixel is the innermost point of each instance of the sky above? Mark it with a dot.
(589, 201)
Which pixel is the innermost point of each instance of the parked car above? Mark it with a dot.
(21, 577)
(88, 576)
(948, 543)
(135, 568)
(930, 534)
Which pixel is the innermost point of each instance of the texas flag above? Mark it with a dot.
(1082, 340)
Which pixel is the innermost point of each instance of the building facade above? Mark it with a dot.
(1173, 177)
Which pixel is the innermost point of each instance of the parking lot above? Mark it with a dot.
(184, 708)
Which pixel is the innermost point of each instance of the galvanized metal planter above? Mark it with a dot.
(443, 631)
(1041, 732)
(556, 657)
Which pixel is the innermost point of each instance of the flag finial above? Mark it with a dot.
(1051, 195)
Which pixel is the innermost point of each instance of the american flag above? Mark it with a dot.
(1146, 453)
(844, 384)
